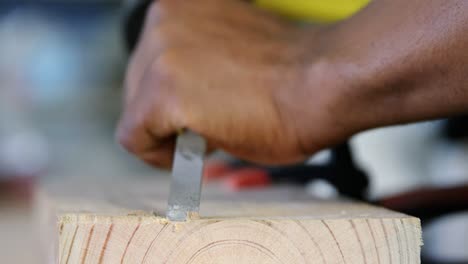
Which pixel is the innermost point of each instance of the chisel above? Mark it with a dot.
(187, 171)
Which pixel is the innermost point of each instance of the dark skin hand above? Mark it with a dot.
(269, 91)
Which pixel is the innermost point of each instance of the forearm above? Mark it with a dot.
(401, 61)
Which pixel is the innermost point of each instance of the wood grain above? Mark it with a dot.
(236, 232)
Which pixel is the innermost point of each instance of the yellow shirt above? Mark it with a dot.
(314, 10)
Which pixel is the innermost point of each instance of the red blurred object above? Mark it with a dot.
(236, 178)
(216, 169)
(248, 178)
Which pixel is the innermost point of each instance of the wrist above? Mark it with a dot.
(316, 107)
(357, 91)
(339, 107)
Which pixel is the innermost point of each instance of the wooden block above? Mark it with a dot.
(101, 230)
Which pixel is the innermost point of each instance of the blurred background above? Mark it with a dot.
(61, 70)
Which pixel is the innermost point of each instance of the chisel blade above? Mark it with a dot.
(187, 170)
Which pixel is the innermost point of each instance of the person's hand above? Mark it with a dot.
(232, 73)
(272, 92)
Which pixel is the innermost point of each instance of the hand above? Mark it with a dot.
(235, 75)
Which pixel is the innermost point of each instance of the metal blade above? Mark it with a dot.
(186, 179)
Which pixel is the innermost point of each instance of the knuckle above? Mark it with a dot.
(125, 138)
(154, 13)
(162, 35)
(168, 64)
(162, 31)
(122, 139)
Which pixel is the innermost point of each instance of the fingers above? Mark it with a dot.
(151, 117)
(162, 156)
(154, 151)
(135, 133)
(142, 129)
(146, 50)
(136, 136)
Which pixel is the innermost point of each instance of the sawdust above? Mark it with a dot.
(177, 227)
(163, 221)
(193, 216)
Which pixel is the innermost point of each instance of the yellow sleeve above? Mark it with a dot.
(314, 10)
